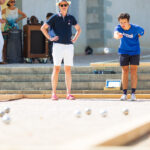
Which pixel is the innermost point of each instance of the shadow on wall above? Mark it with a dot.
(97, 19)
(19, 5)
(95, 23)
(107, 19)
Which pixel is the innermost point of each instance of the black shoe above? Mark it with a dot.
(51, 61)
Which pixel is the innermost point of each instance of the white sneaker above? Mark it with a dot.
(133, 97)
(123, 97)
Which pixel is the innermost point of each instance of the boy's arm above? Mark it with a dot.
(140, 31)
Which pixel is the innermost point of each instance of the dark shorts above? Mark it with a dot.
(126, 60)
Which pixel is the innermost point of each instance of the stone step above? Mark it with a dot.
(73, 92)
(75, 77)
(48, 70)
(142, 85)
(47, 77)
(47, 85)
(41, 70)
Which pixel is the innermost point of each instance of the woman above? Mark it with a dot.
(63, 47)
(12, 16)
(1, 37)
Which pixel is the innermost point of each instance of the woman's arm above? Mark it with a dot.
(2, 2)
(78, 29)
(44, 29)
(21, 13)
(3, 20)
(4, 11)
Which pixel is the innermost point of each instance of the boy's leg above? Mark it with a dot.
(125, 73)
(133, 69)
(124, 63)
(135, 60)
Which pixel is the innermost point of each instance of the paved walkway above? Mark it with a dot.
(85, 60)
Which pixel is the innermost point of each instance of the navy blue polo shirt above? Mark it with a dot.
(62, 27)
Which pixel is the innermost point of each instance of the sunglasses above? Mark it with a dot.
(13, 2)
(63, 5)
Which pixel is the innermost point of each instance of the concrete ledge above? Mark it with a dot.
(98, 64)
(112, 89)
(120, 148)
(10, 97)
(129, 136)
(78, 96)
(86, 96)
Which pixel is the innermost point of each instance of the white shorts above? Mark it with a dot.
(62, 51)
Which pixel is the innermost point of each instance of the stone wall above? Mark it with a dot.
(95, 23)
(97, 19)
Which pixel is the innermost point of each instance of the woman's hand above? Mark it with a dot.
(16, 21)
(2, 2)
(56, 38)
(2, 21)
(74, 40)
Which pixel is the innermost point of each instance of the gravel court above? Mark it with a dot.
(42, 122)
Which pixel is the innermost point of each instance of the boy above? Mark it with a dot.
(129, 51)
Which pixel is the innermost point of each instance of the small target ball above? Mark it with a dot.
(2, 113)
(104, 113)
(88, 111)
(125, 111)
(6, 119)
(77, 113)
(6, 110)
(106, 50)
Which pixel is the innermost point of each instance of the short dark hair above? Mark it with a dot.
(49, 15)
(124, 16)
(8, 4)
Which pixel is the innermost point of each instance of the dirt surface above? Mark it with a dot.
(142, 142)
(42, 123)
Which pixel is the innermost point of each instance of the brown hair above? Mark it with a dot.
(124, 16)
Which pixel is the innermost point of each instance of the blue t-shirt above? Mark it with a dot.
(62, 27)
(130, 44)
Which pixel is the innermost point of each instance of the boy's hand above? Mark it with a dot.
(139, 35)
(120, 36)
